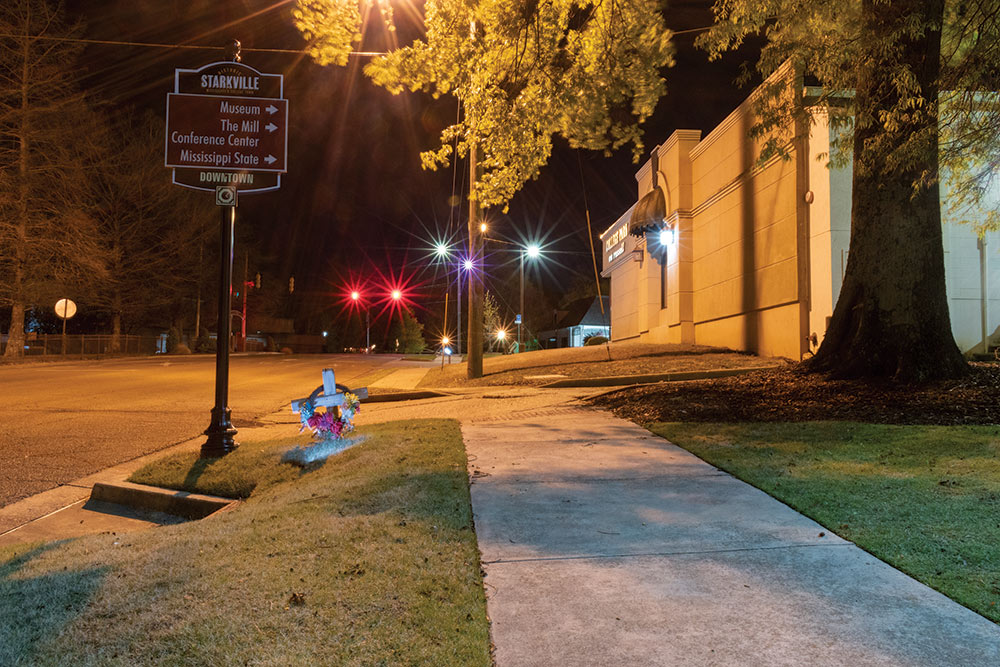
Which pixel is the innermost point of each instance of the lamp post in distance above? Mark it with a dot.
(533, 251)
(442, 253)
(356, 297)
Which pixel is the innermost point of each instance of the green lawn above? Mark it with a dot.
(925, 499)
(367, 559)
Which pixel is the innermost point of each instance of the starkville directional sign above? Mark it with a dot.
(232, 133)
(227, 125)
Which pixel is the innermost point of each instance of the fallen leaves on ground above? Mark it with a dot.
(790, 394)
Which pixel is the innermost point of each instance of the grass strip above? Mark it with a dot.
(925, 499)
(367, 559)
(235, 475)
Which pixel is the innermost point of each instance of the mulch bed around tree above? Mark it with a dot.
(788, 394)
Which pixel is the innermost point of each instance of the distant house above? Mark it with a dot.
(580, 321)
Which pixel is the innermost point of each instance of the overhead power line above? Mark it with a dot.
(111, 42)
(206, 47)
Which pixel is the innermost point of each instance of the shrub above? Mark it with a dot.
(173, 339)
(204, 343)
(595, 340)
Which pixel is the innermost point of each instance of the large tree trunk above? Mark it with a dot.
(15, 335)
(891, 318)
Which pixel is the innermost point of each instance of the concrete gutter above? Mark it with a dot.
(404, 396)
(168, 501)
(625, 380)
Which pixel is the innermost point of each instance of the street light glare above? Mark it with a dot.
(397, 295)
(482, 227)
(468, 264)
(355, 295)
(501, 334)
(533, 250)
(445, 340)
(441, 250)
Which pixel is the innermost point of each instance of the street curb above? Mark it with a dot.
(625, 380)
(169, 501)
(404, 396)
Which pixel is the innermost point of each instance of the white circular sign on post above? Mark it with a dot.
(65, 308)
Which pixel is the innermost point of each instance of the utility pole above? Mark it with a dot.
(520, 314)
(475, 351)
(197, 308)
(246, 288)
(458, 341)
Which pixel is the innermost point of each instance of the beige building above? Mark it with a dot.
(719, 250)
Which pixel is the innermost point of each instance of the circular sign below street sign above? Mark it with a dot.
(65, 308)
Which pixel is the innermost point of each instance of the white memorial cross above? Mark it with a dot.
(330, 396)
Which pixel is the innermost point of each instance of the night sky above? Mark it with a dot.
(355, 202)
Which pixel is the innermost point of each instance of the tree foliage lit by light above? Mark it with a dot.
(524, 72)
(833, 43)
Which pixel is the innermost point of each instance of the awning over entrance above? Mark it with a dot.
(649, 213)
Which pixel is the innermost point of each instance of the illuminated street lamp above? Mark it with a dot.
(533, 251)
(445, 350)
(501, 334)
(396, 295)
(441, 250)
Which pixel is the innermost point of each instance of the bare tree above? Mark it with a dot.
(150, 230)
(45, 239)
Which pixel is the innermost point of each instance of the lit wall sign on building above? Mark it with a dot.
(614, 242)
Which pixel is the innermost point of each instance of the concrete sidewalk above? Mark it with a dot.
(403, 378)
(606, 545)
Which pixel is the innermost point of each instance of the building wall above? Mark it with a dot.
(732, 272)
(829, 227)
(760, 250)
(744, 259)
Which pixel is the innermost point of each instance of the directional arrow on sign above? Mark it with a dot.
(271, 109)
(215, 117)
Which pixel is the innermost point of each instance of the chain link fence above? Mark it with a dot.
(90, 345)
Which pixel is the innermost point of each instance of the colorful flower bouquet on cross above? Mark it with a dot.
(333, 424)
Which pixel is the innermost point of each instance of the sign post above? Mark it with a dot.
(227, 129)
(65, 309)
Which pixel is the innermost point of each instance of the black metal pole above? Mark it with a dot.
(220, 431)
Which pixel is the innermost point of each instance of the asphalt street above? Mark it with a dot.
(61, 421)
